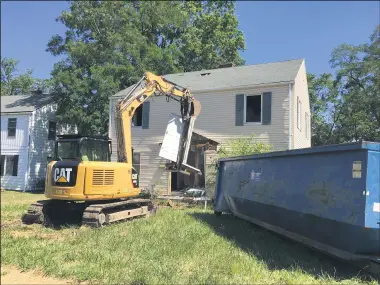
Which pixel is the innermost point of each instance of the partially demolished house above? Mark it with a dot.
(270, 100)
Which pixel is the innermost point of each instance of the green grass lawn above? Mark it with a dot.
(176, 246)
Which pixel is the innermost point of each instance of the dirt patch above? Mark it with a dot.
(10, 224)
(20, 234)
(12, 275)
(29, 233)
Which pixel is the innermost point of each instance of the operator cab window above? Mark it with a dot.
(67, 150)
(92, 150)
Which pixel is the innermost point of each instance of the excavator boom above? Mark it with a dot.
(148, 86)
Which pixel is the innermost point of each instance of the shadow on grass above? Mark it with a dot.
(55, 214)
(55, 223)
(279, 252)
(35, 192)
(26, 192)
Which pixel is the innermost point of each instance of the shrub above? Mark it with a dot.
(235, 147)
(243, 146)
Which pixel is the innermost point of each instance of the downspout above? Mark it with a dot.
(290, 116)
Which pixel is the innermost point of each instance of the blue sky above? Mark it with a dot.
(274, 31)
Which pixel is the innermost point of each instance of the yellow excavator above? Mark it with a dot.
(82, 184)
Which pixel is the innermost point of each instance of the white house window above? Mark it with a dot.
(307, 126)
(299, 112)
(9, 165)
(137, 117)
(253, 104)
(52, 130)
(12, 123)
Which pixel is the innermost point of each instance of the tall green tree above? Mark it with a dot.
(211, 37)
(346, 107)
(358, 76)
(323, 106)
(109, 45)
(13, 83)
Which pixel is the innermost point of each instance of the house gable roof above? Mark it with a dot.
(24, 103)
(233, 77)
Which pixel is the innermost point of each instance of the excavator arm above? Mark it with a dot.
(150, 85)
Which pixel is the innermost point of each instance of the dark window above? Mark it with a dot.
(136, 161)
(2, 165)
(299, 112)
(52, 130)
(253, 109)
(9, 165)
(137, 117)
(12, 122)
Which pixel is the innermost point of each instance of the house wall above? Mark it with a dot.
(40, 146)
(216, 121)
(17, 145)
(302, 133)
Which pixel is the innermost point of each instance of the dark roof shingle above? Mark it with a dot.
(24, 103)
(233, 77)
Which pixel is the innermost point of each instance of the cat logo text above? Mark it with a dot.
(62, 175)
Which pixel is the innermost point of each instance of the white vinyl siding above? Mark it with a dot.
(31, 143)
(16, 145)
(40, 146)
(300, 94)
(216, 121)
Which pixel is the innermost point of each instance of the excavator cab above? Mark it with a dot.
(82, 148)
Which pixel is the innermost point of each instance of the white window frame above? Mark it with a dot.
(299, 114)
(245, 109)
(4, 174)
(8, 136)
(307, 125)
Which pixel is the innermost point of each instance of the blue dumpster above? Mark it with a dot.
(326, 197)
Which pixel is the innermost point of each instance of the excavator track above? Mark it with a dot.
(35, 214)
(98, 215)
(55, 213)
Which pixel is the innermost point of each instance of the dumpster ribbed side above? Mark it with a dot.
(372, 212)
(320, 195)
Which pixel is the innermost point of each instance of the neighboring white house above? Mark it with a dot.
(270, 100)
(28, 134)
